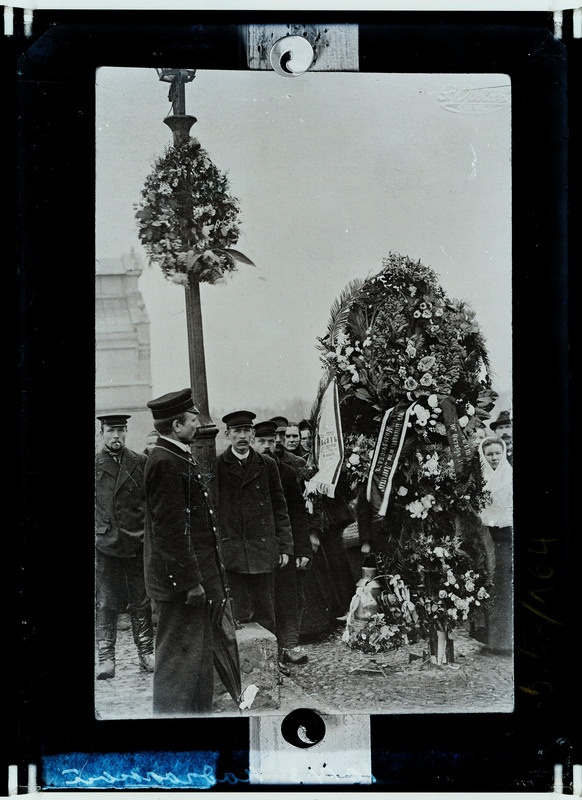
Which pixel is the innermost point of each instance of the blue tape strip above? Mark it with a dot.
(145, 770)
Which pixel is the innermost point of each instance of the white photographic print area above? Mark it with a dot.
(333, 172)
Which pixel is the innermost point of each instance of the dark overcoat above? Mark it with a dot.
(254, 520)
(297, 462)
(297, 510)
(182, 546)
(315, 516)
(119, 503)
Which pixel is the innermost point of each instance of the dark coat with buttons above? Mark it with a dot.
(254, 520)
(181, 547)
(119, 503)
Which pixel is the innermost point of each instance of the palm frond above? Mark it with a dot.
(234, 255)
(340, 309)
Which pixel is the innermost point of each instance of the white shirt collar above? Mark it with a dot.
(181, 445)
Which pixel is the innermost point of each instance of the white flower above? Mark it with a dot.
(354, 459)
(431, 465)
(470, 409)
(433, 400)
(417, 510)
(402, 491)
(422, 414)
(470, 586)
(463, 421)
(427, 501)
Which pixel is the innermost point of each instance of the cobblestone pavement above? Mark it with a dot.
(337, 679)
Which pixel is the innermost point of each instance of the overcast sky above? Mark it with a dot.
(332, 171)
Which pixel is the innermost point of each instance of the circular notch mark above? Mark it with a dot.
(291, 56)
(303, 728)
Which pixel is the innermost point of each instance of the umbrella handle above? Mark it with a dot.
(216, 610)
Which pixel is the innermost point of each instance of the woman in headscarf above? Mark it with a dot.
(498, 519)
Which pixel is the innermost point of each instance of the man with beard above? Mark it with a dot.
(184, 572)
(255, 527)
(289, 598)
(119, 535)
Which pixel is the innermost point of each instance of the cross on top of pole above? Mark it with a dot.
(179, 122)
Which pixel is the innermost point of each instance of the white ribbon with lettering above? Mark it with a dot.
(329, 446)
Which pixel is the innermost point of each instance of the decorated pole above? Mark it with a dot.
(204, 445)
(188, 223)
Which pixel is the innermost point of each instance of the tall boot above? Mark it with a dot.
(143, 636)
(106, 634)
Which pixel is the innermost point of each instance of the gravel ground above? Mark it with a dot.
(337, 679)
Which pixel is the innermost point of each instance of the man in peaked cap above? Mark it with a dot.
(255, 526)
(283, 454)
(503, 427)
(184, 573)
(119, 534)
(289, 598)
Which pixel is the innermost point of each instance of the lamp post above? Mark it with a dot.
(204, 445)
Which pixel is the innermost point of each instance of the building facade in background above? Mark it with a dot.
(123, 380)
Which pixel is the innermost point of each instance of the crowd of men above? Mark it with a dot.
(161, 545)
(178, 565)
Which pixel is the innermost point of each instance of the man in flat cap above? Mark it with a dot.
(119, 535)
(183, 567)
(289, 599)
(254, 520)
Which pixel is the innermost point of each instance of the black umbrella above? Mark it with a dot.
(226, 660)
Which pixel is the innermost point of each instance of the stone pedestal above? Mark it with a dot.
(259, 666)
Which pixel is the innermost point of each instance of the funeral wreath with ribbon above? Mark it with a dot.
(411, 371)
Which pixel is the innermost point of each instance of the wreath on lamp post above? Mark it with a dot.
(187, 218)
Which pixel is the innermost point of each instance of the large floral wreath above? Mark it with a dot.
(187, 219)
(396, 341)
(412, 375)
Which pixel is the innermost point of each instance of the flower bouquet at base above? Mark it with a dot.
(393, 624)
